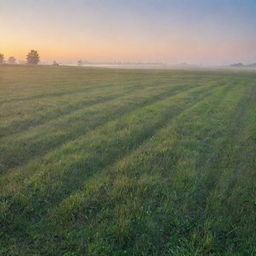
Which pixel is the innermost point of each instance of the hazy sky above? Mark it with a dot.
(174, 31)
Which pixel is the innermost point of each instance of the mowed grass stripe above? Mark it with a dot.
(38, 141)
(24, 115)
(52, 83)
(84, 77)
(119, 191)
(205, 100)
(85, 160)
(22, 172)
(24, 210)
(150, 145)
(55, 132)
(31, 116)
(16, 116)
(13, 173)
(215, 159)
(142, 196)
(123, 83)
(224, 174)
(59, 94)
(114, 86)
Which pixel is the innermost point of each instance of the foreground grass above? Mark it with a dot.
(127, 162)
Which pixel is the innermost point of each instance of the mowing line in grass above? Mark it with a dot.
(71, 179)
(166, 169)
(38, 141)
(11, 126)
(125, 179)
(119, 130)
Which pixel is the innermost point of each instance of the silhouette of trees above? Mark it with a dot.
(1, 58)
(33, 57)
(11, 60)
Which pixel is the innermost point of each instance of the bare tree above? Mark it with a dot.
(11, 60)
(1, 58)
(33, 57)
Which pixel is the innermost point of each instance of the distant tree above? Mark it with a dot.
(55, 63)
(80, 63)
(1, 58)
(237, 65)
(33, 57)
(12, 60)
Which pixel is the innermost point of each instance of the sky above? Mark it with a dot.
(206, 32)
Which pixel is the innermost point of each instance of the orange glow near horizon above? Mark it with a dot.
(207, 32)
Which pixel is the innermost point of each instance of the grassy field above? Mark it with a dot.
(108, 162)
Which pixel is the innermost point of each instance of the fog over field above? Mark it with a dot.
(127, 128)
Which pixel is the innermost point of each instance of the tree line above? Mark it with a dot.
(31, 58)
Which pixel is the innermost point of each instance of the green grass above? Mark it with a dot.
(112, 162)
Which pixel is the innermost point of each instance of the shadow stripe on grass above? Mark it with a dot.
(69, 209)
(19, 125)
(57, 94)
(213, 186)
(35, 136)
(49, 180)
(215, 161)
(150, 145)
(92, 87)
(38, 144)
(98, 126)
